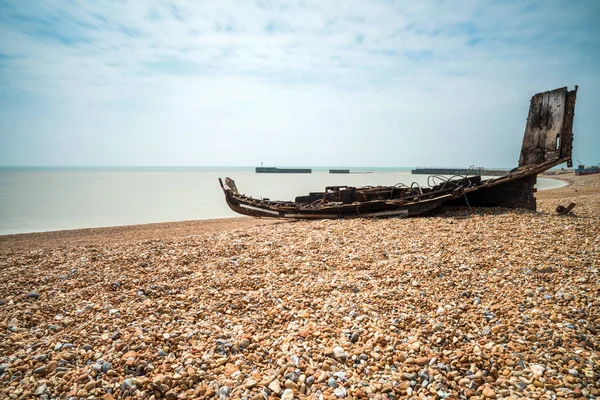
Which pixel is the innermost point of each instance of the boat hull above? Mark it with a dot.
(373, 209)
(590, 171)
(547, 142)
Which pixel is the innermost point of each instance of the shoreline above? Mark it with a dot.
(553, 177)
(169, 230)
(127, 233)
(164, 224)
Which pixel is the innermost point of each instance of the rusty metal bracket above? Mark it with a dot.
(562, 210)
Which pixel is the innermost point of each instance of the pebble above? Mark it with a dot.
(41, 389)
(275, 387)
(106, 366)
(288, 394)
(340, 353)
(458, 306)
(51, 367)
(422, 361)
(171, 395)
(40, 371)
(310, 380)
(224, 391)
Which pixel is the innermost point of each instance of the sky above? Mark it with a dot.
(289, 83)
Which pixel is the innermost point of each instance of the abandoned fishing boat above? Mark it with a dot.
(547, 142)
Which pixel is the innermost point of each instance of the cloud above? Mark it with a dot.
(298, 82)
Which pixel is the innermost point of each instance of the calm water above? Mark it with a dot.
(36, 200)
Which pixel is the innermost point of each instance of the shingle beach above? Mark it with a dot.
(481, 304)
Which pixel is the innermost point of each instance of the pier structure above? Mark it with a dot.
(479, 171)
(275, 170)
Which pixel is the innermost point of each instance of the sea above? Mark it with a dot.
(36, 199)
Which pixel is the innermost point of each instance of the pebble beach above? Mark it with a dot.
(480, 304)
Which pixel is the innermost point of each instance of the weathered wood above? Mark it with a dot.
(566, 137)
(516, 194)
(548, 133)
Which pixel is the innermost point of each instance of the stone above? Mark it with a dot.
(128, 355)
(89, 386)
(41, 389)
(310, 380)
(288, 394)
(41, 370)
(67, 355)
(568, 296)
(489, 393)
(275, 387)
(106, 366)
(171, 395)
(230, 369)
(289, 384)
(340, 353)
(126, 384)
(421, 361)
(51, 366)
(224, 391)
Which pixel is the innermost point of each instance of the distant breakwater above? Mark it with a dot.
(275, 170)
(460, 171)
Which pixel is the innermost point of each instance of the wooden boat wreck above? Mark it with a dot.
(547, 142)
